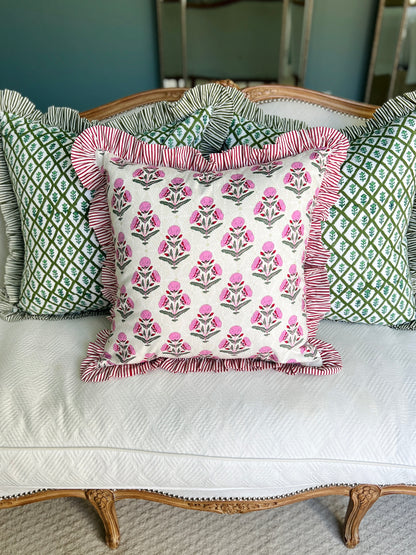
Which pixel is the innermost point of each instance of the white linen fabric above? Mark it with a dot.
(229, 435)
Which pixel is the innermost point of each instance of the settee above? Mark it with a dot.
(227, 442)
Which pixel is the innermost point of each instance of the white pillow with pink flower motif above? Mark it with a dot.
(211, 265)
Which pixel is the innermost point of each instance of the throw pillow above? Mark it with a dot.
(211, 265)
(54, 263)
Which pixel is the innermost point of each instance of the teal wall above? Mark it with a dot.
(78, 53)
(83, 53)
(340, 46)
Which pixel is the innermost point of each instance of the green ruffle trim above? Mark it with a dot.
(394, 108)
(218, 97)
(243, 107)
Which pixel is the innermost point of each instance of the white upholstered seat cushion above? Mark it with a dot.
(231, 434)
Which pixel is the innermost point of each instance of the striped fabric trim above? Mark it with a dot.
(87, 161)
(220, 98)
(250, 110)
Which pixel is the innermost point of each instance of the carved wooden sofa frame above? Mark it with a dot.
(361, 496)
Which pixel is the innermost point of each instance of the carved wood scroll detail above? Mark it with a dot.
(103, 501)
(362, 498)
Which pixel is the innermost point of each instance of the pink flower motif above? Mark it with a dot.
(237, 293)
(175, 345)
(147, 176)
(237, 240)
(292, 336)
(268, 264)
(267, 353)
(124, 351)
(235, 343)
(175, 194)
(206, 324)
(174, 302)
(145, 279)
(267, 316)
(206, 272)
(290, 286)
(298, 179)
(237, 188)
(174, 248)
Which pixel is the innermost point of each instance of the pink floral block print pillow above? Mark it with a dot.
(211, 265)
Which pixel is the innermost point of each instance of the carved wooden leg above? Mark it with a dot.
(362, 497)
(103, 502)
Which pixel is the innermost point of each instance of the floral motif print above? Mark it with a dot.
(174, 302)
(290, 286)
(298, 179)
(320, 159)
(124, 351)
(236, 240)
(206, 272)
(268, 264)
(121, 199)
(174, 248)
(266, 353)
(206, 178)
(237, 293)
(119, 162)
(146, 223)
(292, 335)
(175, 194)
(206, 354)
(293, 232)
(146, 329)
(237, 188)
(206, 324)
(235, 343)
(267, 316)
(145, 279)
(268, 168)
(270, 208)
(123, 252)
(207, 217)
(147, 176)
(175, 345)
(124, 304)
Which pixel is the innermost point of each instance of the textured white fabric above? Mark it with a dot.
(230, 434)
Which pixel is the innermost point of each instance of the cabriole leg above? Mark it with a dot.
(103, 502)
(362, 497)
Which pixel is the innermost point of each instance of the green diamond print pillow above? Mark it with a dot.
(367, 230)
(54, 263)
